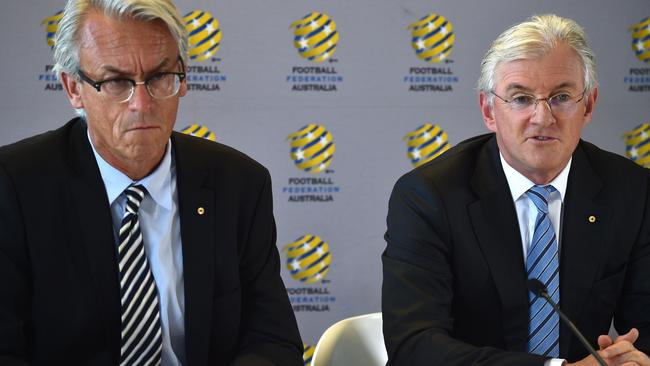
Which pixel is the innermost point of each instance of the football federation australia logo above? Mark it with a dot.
(312, 148)
(432, 38)
(315, 36)
(204, 34)
(51, 25)
(199, 131)
(425, 143)
(637, 145)
(308, 259)
(641, 40)
(308, 353)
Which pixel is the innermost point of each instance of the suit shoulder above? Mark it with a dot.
(40, 152)
(218, 156)
(606, 163)
(454, 167)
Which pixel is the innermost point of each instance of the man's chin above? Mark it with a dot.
(145, 150)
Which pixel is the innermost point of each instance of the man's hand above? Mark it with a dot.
(619, 352)
(622, 350)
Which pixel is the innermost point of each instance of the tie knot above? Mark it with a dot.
(540, 195)
(134, 196)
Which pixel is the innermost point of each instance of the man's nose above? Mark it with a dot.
(141, 99)
(542, 113)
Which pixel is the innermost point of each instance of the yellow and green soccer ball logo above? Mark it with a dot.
(641, 40)
(312, 148)
(315, 36)
(432, 38)
(308, 354)
(199, 131)
(637, 144)
(204, 34)
(51, 26)
(425, 143)
(308, 259)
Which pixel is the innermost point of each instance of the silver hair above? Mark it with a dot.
(66, 42)
(535, 38)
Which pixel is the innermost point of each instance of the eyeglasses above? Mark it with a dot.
(161, 85)
(561, 104)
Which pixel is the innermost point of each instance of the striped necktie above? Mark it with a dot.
(141, 337)
(543, 264)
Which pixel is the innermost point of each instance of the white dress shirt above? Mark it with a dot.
(527, 211)
(161, 233)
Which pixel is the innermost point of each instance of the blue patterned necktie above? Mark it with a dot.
(543, 264)
(141, 338)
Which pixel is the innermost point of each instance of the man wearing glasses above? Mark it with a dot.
(122, 242)
(531, 200)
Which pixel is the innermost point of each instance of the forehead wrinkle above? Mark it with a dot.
(520, 87)
(110, 47)
(99, 29)
(108, 43)
(517, 87)
(116, 70)
(557, 69)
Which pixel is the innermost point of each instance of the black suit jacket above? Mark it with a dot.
(454, 289)
(59, 295)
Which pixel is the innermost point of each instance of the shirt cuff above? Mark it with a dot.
(554, 362)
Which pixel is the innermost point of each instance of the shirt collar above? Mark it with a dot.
(157, 183)
(519, 184)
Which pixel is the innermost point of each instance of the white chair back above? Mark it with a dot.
(356, 341)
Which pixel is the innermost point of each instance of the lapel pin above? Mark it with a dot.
(592, 219)
(200, 210)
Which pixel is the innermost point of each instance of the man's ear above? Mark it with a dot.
(183, 90)
(487, 112)
(590, 105)
(72, 86)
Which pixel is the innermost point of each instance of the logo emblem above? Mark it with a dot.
(425, 143)
(641, 39)
(51, 25)
(308, 259)
(315, 36)
(432, 38)
(308, 353)
(204, 34)
(637, 144)
(199, 131)
(312, 148)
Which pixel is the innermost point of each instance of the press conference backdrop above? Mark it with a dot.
(338, 99)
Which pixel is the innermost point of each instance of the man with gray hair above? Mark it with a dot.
(123, 242)
(468, 231)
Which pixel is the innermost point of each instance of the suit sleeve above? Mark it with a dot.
(633, 308)
(15, 284)
(417, 290)
(269, 333)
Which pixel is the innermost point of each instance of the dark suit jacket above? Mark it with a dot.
(59, 295)
(454, 290)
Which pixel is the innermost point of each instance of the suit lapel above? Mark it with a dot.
(495, 223)
(197, 208)
(582, 245)
(92, 213)
(493, 216)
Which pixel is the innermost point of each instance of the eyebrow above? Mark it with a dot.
(521, 87)
(116, 70)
